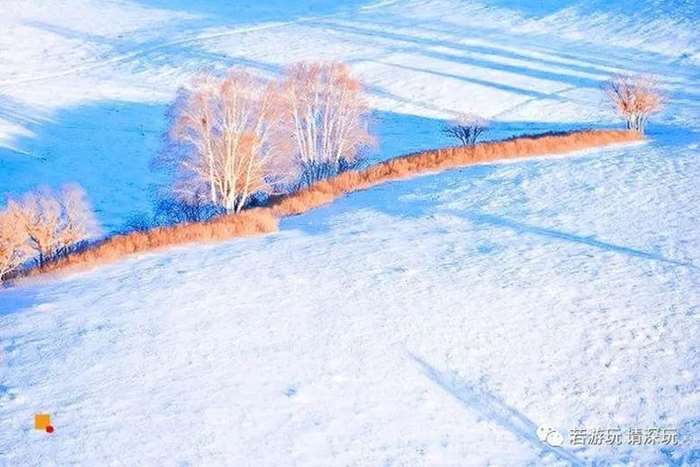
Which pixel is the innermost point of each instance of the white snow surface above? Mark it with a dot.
(436, 321)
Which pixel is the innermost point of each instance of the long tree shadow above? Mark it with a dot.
(387, 199)
(503, 46)
(601, 57)
(419, 196)
(475, 55)
(493, 408)
(520, 227)
(500, 86)
(106, 147)
(534, 58)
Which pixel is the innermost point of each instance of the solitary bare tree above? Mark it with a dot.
(14, 250)
(325, 118)
(222, 131)
(635, 98)
(466, 128)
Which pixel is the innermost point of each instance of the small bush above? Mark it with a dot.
(313, 171)
(635, 98)
(466, 129)
(174, 211)
(169, 211)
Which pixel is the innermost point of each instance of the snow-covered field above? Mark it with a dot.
(435, 321)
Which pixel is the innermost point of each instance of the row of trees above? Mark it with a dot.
(239, 135)
(634, 98)
(234, 137)
(43, 225)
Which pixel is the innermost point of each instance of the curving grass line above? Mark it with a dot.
(444, 159)
(265, 220)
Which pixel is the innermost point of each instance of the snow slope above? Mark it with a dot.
(435, 321)
(89, 80)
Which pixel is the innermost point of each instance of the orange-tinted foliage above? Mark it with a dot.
(264, 220)
(442, 159)
(14, 247)
(635, 98)
(252, 222)
(223, 130)
(324, 113)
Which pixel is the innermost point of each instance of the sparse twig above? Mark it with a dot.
(635, 98)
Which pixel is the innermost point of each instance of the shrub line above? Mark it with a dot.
(264, 220)
(444, 159)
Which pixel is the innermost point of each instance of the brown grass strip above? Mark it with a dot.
(265, 220)
(448, 158)
(251, 222)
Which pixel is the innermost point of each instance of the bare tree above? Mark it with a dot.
(325, 118)
(221, 133)
(54, 223)
(78, 222)
(42, 219)
(14, 250)
(635, 98)
(466, 128)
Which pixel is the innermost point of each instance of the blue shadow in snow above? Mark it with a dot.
(476, 398)
(108, 147)
(537, 58)
(399, 134)
(254, 11)
(396, 200)
(419, 196)
(16, 299)
(405, 43)
(190, 54)
(493, 409)
(520, 227)
(105, 147)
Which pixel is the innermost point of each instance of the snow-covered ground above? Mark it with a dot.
(435, 321)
